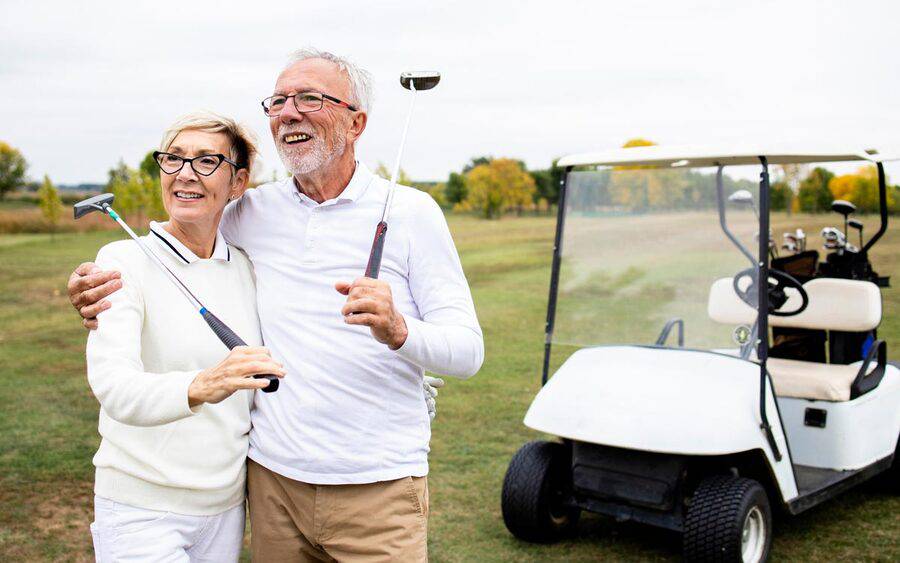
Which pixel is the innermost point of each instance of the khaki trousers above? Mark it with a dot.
(295, 521)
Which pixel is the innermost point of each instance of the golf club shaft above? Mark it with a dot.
(228, 337)
(373, 267)
(153, 257)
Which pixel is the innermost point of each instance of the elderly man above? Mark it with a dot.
(339, 455)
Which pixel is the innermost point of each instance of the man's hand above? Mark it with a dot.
(370, 303)
(88, 287)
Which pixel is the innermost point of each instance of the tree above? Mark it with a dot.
(51, 206)
(476, 161)
(136, 193)
(149, 166)
(455, 191)
(498, 186)
(637, 142)
(860, 188)
(12, 169)
(402, 178)
(780, 196)
(814, 195)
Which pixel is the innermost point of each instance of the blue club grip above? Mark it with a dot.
(232, 340)
(374, 265)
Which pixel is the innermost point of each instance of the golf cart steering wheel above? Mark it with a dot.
(778, 282)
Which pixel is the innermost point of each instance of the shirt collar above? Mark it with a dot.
(176, 248)
(354, 190)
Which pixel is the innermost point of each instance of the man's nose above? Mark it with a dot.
(290, 114)
(187, 174)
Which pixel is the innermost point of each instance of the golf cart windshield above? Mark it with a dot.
(641, 248)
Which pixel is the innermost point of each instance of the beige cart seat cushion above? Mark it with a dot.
(834, 304)
(811, 380)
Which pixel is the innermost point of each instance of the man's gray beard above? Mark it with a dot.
(315, 156)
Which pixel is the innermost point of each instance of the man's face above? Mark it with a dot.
(307, 141)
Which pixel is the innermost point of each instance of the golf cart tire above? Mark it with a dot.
(538, 477)
(716, 516)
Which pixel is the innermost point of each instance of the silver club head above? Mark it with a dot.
(834, 238)
(743, 197)
(97, 203)
(420, 80)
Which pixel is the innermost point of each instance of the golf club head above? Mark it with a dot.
(743, 197)
(843, 207)
(420, 80)
(91, 204)
(834, 238)
(856, 224)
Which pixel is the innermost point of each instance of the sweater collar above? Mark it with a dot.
(177, 249)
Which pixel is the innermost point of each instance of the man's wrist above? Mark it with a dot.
(401, 333)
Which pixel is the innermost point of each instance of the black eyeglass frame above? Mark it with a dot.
(296, 107)
(221, 158)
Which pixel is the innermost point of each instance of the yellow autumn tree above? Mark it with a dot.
(860, 188)
(498, 186)
(51, 206)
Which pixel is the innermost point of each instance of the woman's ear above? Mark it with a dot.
(239, 184)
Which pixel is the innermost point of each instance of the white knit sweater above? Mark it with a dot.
(156, 452)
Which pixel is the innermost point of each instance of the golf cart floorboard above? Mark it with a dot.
(816, 485)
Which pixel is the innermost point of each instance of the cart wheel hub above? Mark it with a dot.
(753, 536)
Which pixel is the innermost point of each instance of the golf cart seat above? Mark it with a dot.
(834, 304)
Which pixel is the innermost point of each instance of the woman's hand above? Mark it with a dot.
(235, 372)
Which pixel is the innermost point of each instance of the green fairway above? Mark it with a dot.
(48, 429)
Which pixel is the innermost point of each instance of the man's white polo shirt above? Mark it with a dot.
(350, 409)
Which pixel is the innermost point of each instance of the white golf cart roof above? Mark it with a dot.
(693, 156)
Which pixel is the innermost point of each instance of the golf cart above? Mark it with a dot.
(706, 431)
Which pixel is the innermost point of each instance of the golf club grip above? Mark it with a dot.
(232, 340)
(374, 265)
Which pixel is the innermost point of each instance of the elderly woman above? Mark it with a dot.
(175, 406)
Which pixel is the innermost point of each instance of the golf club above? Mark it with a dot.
(103, 203)
(843, 207)
(800, 237)
(857, 224)
(834, 238)
(412, 81)
(790, 243)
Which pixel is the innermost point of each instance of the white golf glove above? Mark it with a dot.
(430, 386)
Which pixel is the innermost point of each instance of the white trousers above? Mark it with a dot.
(129, 533)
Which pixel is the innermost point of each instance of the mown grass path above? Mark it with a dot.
(48, 423)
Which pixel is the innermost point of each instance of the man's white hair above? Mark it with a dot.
(360, 80)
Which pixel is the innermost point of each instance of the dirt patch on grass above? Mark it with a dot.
(46, 522)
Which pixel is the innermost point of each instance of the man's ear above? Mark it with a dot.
(239, 183)
(357, 126)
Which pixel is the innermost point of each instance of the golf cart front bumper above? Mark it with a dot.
(629, 485)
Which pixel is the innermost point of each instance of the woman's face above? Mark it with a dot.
(192, 198)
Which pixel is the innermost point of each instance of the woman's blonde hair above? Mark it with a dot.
(243, 141)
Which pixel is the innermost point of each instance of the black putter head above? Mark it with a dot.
(843, 207)
(91, 204)
(420, 80)
(856, 224)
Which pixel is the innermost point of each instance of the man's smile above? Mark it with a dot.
(294, 138)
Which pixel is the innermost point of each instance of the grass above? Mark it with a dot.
(48, 431)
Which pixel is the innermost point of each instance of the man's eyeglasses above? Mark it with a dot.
(304, 102)
(204, 164)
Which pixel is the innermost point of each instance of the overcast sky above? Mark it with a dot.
(83, 84)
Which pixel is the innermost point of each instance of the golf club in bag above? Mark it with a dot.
(412, 81)
(103, 203)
